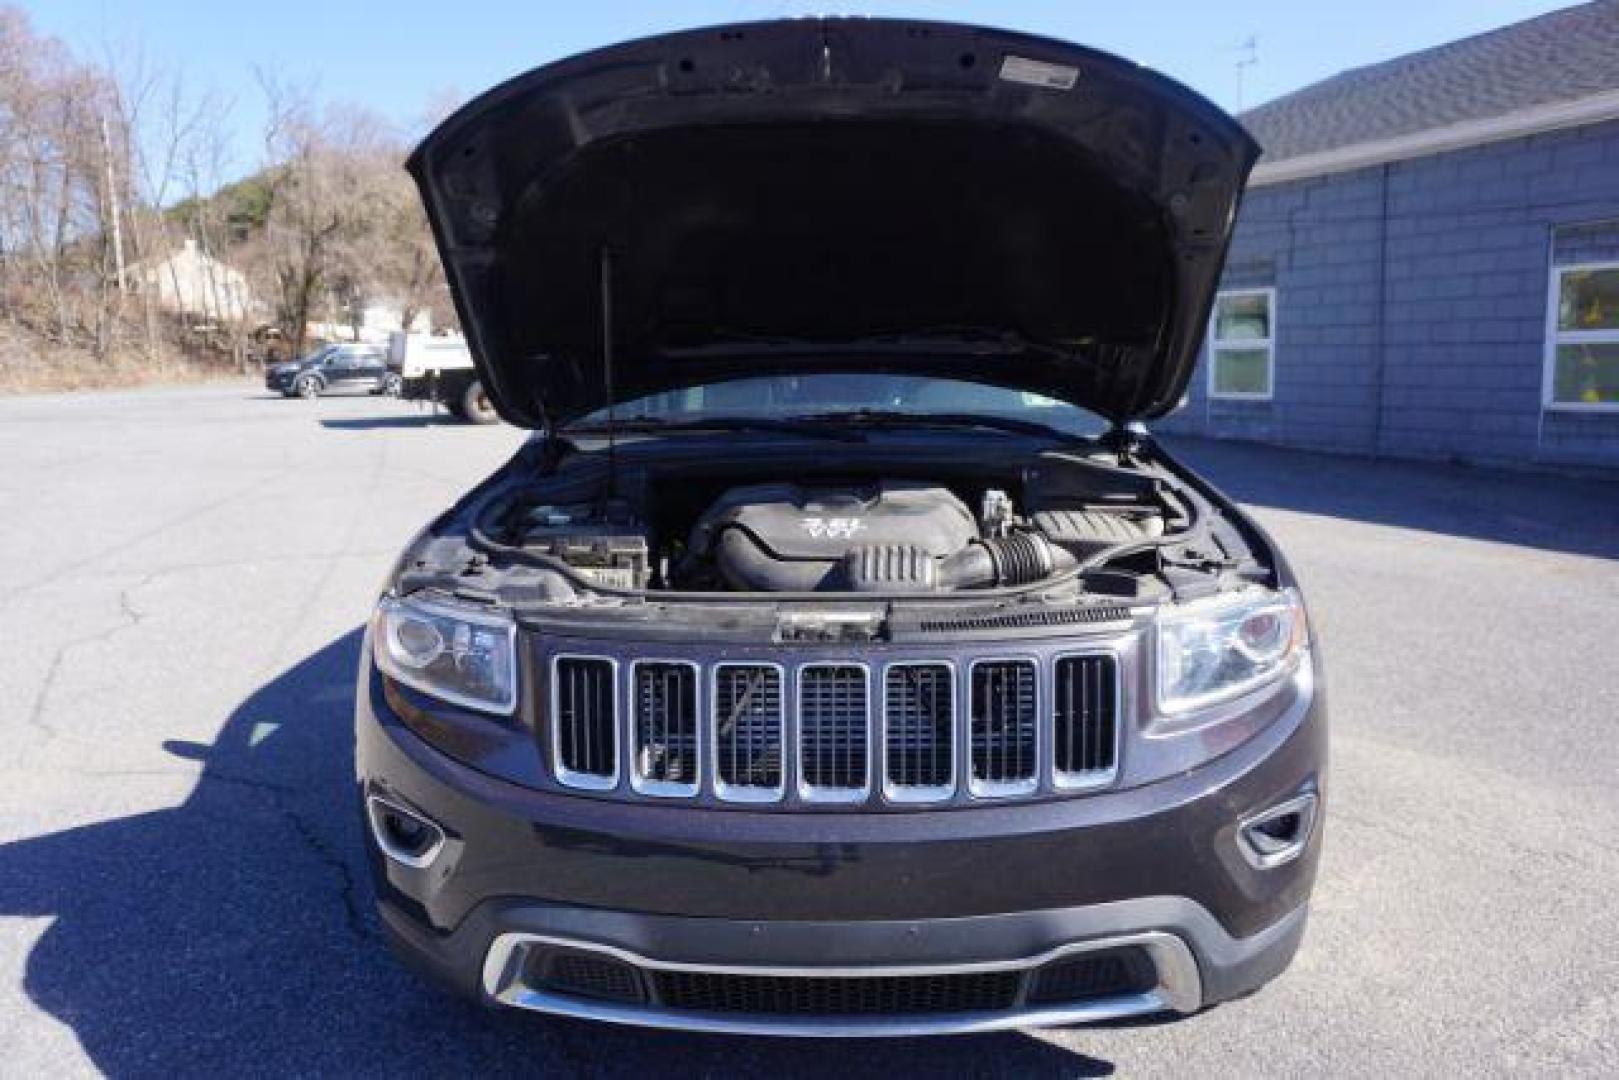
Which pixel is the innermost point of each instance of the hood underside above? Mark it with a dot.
(834, 195)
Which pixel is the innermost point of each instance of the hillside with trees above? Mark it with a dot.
(108, 169)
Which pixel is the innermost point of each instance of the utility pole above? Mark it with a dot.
(1248, 57)
(112, 203)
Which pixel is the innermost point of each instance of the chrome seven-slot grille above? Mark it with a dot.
(909, 731)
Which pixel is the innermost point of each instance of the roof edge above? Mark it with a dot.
(1517, 124)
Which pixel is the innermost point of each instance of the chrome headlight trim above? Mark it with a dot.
(1214, 627)
(494, 631)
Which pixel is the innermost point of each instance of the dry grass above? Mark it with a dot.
(31, 365)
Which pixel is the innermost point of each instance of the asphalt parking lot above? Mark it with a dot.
(182, 575)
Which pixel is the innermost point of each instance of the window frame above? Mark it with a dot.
(1237, 345)
(1555, 337)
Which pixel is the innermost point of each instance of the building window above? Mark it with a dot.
(1582, 338)
(1242, 344)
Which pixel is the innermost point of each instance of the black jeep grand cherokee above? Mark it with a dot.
(843, 657)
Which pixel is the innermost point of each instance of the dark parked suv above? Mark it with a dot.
(842, 655)
(333, 367)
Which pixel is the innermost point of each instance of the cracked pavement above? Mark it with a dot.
(182, 577)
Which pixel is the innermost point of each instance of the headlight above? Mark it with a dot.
(1217, 649)
(458, 654)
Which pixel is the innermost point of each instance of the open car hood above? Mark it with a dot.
(834, 195)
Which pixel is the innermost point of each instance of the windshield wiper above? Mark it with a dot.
(878, 418)
(793, 426)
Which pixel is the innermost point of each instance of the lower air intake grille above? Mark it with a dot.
(833, 729)
(877, 995)
(585, 722)
(919, 732)
(666, 728)
(586, 975)
(1004, 718)
(748, 730)
(1094, 975)
(1085, 718)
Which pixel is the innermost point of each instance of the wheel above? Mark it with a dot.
(308, 388)
(476, 407)
(393, 384)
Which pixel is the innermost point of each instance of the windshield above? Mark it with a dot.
(785, 396)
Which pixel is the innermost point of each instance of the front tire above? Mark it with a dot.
(308, 388)
(476, 408)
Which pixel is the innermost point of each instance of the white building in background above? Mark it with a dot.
(192, 283)
(378, 319)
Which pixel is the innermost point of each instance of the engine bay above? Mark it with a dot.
(678, 523)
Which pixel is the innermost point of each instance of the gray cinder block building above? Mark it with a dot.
(1426, 264)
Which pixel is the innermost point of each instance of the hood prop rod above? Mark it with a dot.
(607, 373)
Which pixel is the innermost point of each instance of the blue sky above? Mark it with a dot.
(398, 56)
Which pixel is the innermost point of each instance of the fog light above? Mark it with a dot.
(405, 836)
(1278, 835)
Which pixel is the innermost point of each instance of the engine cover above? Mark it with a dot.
(790, 538)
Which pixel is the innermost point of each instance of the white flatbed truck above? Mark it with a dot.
(435, 368)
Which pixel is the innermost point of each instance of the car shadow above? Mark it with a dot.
(371, 423)
(1555, 513)
(234, 934)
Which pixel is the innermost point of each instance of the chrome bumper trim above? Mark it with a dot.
(1178, 989)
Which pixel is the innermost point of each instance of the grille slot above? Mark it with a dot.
(584, 719)
(748, 732)
(833, 732)
(664, 760)
(873, 995)
(1085, 708)
(919, 709)
(1004, 727)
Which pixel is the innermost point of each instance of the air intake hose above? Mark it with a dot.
(1019, 558)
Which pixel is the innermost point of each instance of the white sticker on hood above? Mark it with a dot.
(1039, 73)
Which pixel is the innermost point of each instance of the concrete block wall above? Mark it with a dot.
(1411, 304)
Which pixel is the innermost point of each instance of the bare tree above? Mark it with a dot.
(169, 130)
(407, 263)
(89, 156)
(122, 235)
(51, 188)
(344, 226)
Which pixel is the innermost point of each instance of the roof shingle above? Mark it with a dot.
(1560, 56)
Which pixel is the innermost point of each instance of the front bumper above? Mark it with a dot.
(1194, 962)
(760, 895)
